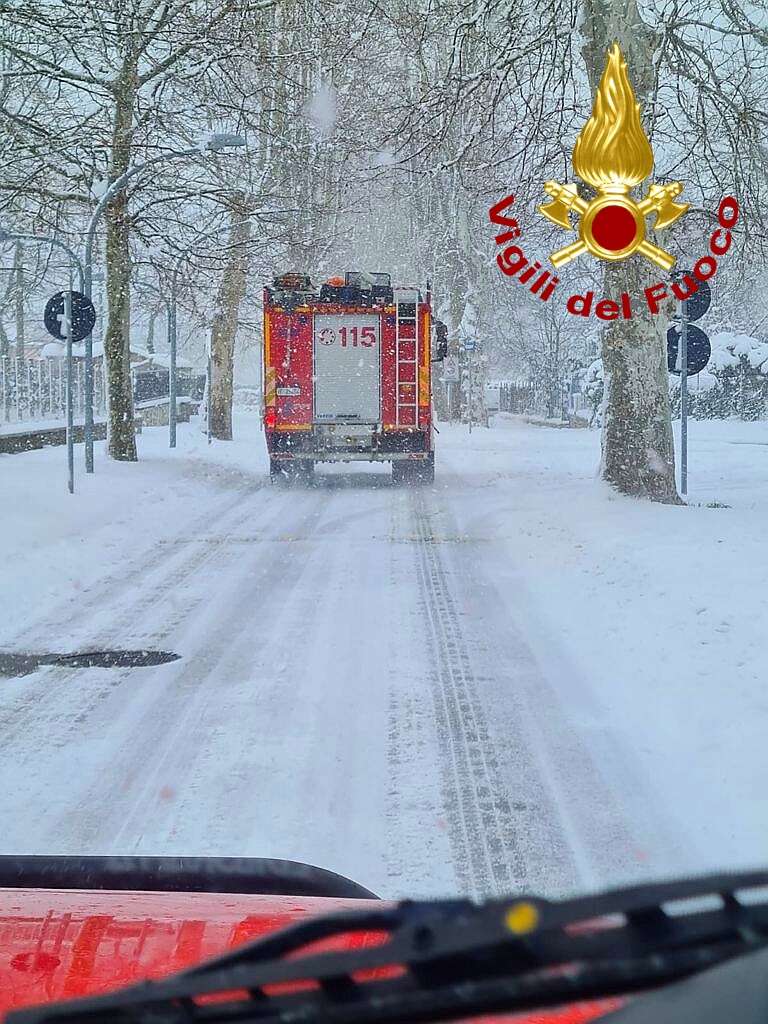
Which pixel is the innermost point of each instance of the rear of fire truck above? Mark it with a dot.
(347, 376)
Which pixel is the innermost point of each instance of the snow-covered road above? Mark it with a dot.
(382, 681)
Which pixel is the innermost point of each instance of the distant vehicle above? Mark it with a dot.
(157, 940)
(492, 397)
(347, 375)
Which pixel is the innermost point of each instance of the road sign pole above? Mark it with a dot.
(684, 397)
(68, 317)
(54, 328)
(172, 361)
(470, 391)
(70, 419)
(88, 422)
(88, 342)
(692, 308)
(209, 374)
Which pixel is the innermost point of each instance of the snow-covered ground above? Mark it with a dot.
(52, 422)
(515, 679)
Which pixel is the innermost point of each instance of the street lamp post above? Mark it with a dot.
(172, 349)
(172, 353)
(8, 236)
(215, 143)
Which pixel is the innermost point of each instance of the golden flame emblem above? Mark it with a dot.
(613, 154)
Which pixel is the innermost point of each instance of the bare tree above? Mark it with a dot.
(113, 74)
(230, 297)
(638, 451)
(723, 114)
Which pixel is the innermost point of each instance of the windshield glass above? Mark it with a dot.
(383, 439)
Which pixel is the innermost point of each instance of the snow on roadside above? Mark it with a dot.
(663, 610)
(54, 544)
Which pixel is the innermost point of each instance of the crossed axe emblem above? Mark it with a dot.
(612, 226)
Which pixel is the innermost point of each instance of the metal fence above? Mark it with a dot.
(151, 384)
(517, 398)
(35, 389)
(558, 400)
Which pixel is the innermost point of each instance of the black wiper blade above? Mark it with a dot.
(449, 959)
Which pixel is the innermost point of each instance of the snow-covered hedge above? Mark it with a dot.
(246, 397)
(738, 370)
(594, 386)
(731, 352)
(735, 382)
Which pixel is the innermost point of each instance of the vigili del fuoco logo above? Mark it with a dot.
(613, 155)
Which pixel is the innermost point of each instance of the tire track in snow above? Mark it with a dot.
(587, 818)
(481, 817)
(420, 860)
(155, 575)
(167, 730)
(219, 678)
(220, 765)
(61, 710)
(157, 563)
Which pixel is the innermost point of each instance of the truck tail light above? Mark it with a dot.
(270, 419)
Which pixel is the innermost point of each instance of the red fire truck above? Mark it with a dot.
(347, 375)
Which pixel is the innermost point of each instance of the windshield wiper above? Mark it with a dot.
(451, 959)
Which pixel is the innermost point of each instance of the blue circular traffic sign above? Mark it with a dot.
(699, 350)
(83, 316)
(697, 304)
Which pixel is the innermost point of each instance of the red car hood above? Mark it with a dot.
(64, 944)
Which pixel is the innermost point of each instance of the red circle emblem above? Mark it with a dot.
(614, 228)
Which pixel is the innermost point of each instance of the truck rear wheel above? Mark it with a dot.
(426, 470)
(399, 472)
(422, 472)
(304, 471)
(414, 473)
(288, 471)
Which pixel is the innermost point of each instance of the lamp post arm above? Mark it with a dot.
(117, 186)
(74, 261)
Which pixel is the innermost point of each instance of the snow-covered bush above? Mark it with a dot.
(734, 383)
(245, 397)
(739, 364)
(594, 387)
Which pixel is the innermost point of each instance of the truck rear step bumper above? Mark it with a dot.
(341, 456)
(326, 446)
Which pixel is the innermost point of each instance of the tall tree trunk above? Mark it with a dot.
(230, 296)
(19, 275)
(638, 449)
(121, 434)
(151, 333)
